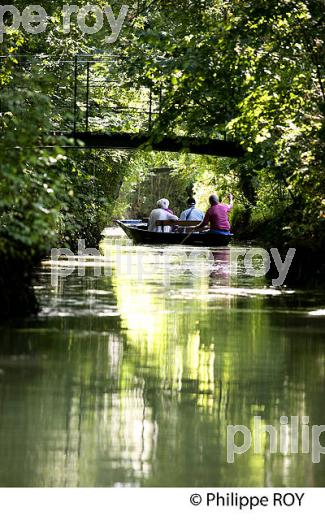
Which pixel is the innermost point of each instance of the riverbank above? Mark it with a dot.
(18, 299)
(308, 266)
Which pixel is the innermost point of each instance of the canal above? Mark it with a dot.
(138, 362)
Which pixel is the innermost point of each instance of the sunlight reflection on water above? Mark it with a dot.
(132, 380)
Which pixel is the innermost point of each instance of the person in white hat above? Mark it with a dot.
(162, 212)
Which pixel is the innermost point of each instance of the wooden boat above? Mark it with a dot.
(137, 231)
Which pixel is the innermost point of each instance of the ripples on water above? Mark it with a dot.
(131, 377)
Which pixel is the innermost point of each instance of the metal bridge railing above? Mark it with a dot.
(88, 93)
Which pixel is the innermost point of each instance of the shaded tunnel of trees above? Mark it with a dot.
(248, 73)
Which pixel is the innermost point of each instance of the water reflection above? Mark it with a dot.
(131, 378)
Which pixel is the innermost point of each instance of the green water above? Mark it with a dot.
(131, 378)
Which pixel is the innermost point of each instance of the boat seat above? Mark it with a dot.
(179, 223)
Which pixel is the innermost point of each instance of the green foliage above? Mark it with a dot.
(30, 175)
(49, 197)
(150, 176)
(253, 71)
(92, 182)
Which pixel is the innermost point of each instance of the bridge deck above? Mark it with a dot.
(124, 141)
(96, 103)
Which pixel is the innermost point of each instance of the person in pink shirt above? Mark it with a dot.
(217, 215)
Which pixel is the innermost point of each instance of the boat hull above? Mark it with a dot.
(142, 236)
